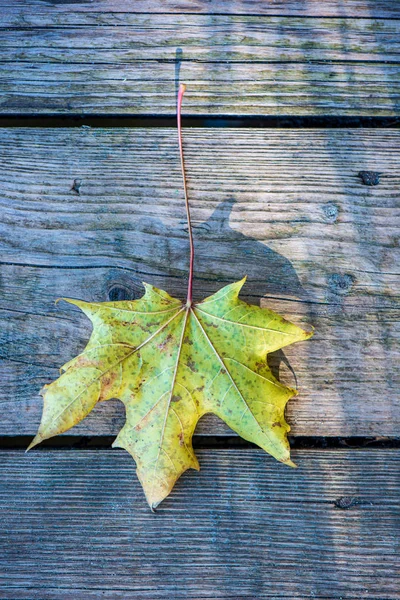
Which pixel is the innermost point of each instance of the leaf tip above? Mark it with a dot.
(237, 286)
(290, 463)
(69, 300)
(36, 440)
(242, 281)
(149, 290)
(154, 505)
(308, 334)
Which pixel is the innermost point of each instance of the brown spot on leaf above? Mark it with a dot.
(192, 366)
(176, 398)
(142, 423)
(106, 384)
(165, 342)
(187, 340)
(83, 361)
(181, 439)
(276, 424)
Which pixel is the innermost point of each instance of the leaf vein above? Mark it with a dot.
(234, 383)
(243, 324)
(115, 365)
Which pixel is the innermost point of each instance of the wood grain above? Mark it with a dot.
(130, 38)
(24, 12)
(286, 207)
(128, 63)
(252, 89)
(76, 523)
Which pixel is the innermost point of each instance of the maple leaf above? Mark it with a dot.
(170, 363)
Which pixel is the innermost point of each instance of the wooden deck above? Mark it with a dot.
(286, 206)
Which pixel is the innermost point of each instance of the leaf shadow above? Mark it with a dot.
(229, 254)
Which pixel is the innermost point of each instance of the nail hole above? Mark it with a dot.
(369, 177)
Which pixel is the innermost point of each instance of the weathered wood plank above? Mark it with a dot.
(23, 12)
(347, 375)
(285, 207)
(302, 89)
(234, 65)
(127, 38)
(76, 523)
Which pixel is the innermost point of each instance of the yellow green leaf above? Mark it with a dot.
(170, 363)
